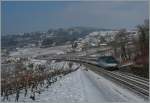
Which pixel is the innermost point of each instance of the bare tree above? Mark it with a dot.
(120, 42)
(143, 31)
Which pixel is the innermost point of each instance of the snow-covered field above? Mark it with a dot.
(40, 51)
(82, 86)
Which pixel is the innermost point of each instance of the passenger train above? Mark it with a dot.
(108, 63)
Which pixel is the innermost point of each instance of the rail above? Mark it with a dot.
(135, 83)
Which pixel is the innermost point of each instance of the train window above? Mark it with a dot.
(108, 59)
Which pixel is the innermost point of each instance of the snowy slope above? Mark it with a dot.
(110, 92)
(83, 87)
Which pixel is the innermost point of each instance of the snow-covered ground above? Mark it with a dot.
(82, 86)
(40, 51)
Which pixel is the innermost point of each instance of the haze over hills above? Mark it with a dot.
(51, 37)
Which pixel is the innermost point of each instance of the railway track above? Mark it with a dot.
(136, 78)
(137, 85)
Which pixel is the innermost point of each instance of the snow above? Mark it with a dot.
(36, 61)
(35, 51)
(83, 86)
(110, 91)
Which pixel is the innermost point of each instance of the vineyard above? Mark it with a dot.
(32, 81)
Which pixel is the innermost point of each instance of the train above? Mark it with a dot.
(108, 63)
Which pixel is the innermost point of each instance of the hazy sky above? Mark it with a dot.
(40, 16)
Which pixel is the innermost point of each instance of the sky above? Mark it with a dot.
(30, 16)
